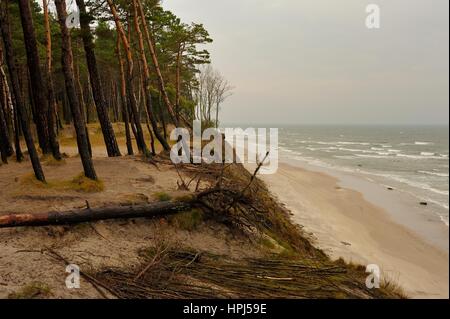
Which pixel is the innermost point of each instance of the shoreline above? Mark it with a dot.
(354, 219)
(402, 207)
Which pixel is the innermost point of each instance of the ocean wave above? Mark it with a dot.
(335, 143)
(444, 219)
(346, 157)
(379, 156)
(352, 150)
(289, 151)
(423, 143)
(420, 185)
(324, 143)
(354, 143)
(422, 156)
(427, 154)
(434, 173)
(416, 144)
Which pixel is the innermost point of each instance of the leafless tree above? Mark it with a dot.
(212, 90)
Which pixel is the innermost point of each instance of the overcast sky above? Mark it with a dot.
(314, 61)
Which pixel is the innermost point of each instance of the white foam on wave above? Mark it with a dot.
(416, 143)
(415, 184)
(334, 143)
(379, 156)
(434, 173)
(346, 157)
(444, 219)
(354, 143)
(387, 154)
(422, 156)
(423, 143)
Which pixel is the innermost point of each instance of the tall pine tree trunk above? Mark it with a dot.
(15, 122)
(16, 90)
(38, 89)
(178, 81)
(96, 85)
(130, 86)
(5, 143)
(160, 78)
(123, 95)
(146, 81)
(67, 65)
(52, 106)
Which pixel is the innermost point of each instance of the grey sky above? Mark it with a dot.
(314, 61)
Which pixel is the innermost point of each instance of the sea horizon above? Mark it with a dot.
(411, 158)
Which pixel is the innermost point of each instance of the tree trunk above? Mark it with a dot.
(217, 115)
(81, 100)
(94, 214)
(130, 87)
(162, 117)
(67, 65)
(17, 93)
(38, 89)
(5, 96)
(123, 94)
(6, 149)
(52, 107)
(178, 81)
(5, 144)
(15, 121)
(96, 85)
(156, 65)
(17, 128)
(146, 81)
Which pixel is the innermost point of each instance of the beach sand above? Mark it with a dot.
(345, 223)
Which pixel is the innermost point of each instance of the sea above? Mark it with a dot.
(413, 159)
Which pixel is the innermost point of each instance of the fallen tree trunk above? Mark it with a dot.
(93, 214)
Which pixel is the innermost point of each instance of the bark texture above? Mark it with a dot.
(67, 65)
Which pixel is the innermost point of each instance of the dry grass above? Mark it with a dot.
(189, 221)
(162, 197)
(85, 185)
(35, 290)
(391, 287)
(49, 160)
(79, 183)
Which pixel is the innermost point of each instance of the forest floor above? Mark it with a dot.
(187, 255)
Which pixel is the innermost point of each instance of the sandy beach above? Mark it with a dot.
(367, 227)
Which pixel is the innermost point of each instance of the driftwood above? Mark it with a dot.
(93, 214)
